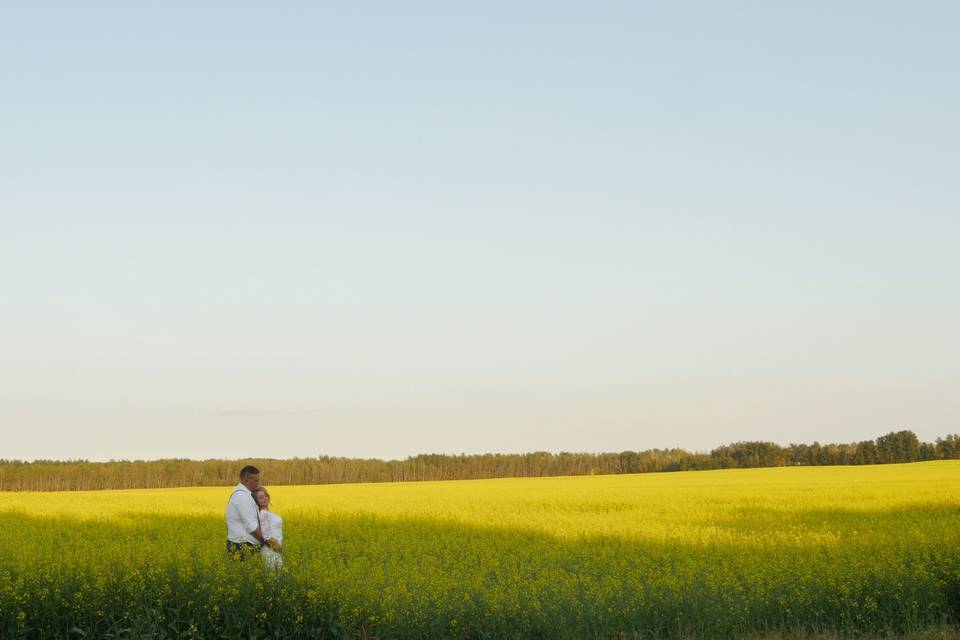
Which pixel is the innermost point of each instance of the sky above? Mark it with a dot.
(381, 229)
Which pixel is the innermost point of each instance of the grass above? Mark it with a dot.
(818, 552)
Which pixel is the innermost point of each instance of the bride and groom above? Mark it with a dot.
(252, 529)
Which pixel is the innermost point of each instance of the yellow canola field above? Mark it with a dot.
(694, 554)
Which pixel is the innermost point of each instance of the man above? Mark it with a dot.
(243, 516)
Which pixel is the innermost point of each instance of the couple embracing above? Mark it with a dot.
(252, 529)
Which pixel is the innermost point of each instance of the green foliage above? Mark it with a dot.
(726, 554)
(51, 475)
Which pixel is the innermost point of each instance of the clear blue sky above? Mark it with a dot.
(232, 229)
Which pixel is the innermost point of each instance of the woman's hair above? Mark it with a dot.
(262, 490)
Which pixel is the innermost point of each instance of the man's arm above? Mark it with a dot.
(273, 543)
(251, 520)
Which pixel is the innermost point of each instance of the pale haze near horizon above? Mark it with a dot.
(234, 230)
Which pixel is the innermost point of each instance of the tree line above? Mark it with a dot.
(79, 475)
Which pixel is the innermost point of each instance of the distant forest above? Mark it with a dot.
(79, 475)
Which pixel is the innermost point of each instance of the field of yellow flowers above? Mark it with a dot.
(735, 553)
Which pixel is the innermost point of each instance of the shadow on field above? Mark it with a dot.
(893, 523)
(884, 571)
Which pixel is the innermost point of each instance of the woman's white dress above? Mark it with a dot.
(271, 526)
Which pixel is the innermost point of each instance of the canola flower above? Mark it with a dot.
(728, 553)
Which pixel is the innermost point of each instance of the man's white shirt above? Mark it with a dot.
(242, 516)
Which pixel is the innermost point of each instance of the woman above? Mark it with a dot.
(271, 526)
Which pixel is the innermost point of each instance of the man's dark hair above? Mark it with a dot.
(248, 470)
